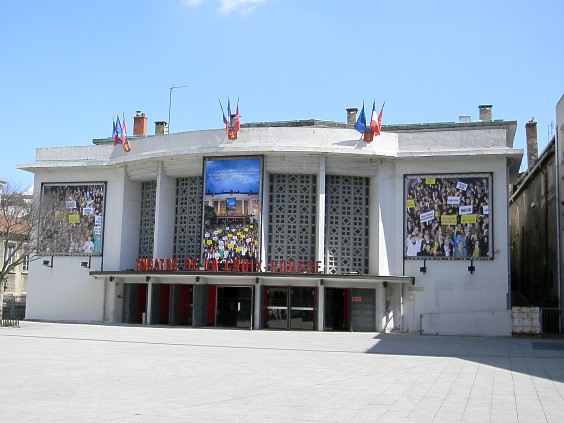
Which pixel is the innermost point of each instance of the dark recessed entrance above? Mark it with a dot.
(336, 309)
(234, 306)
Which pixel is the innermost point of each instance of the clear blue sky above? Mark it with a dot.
(68, 67)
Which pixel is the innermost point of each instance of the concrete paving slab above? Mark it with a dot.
(53, 372)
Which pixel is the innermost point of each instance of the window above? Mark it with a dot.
(9, 256)
(25, 264)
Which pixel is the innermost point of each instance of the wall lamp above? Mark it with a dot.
(471, 268)
(48, 263)
(86, 264)
(423, 269)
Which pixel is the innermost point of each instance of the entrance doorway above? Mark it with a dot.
(289, 308)
(336, 309)
(363, 310)
(234, 306)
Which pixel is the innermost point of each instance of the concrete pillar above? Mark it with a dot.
(165, 209)
(320, 217)
(380, 307)
(257, 296)
(321, 306)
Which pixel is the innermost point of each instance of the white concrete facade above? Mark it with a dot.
(447, 299)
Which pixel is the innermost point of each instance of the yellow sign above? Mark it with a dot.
(209, 242)
(448, 219)
(74, 218)
(410, 204)
(468, 218)
(430, 181)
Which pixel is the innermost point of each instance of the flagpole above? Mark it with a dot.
(170, 102)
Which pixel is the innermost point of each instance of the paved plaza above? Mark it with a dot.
(94, 373)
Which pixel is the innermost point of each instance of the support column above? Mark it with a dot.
(381, 318)
(257, 303)
(320, 218)
(148, 310)
(164, 214)
(321, 306)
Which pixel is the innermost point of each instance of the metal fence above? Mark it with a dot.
(550, 321)
(13, 310)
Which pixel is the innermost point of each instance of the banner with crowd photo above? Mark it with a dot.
(74, 218)
(232, 208)
(448, 216)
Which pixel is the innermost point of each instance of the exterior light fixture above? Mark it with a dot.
(48, 263)
(86, 264)
(423, 269)
(471, 268)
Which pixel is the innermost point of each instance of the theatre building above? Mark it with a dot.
(298, 225)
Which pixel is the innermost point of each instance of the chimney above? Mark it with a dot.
(532, 144)
(351, 116)
(485, 112)
(140, 124)
(161, 127)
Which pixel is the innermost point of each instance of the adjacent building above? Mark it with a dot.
(299, 225)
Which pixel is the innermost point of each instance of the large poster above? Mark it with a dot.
(448, 216)
(74, 218)
(232, 208)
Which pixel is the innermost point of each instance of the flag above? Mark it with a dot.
(360, 124)
(114, 133)
(374, 118)
(225, 121)
(126, 147)
(118, 132)
(237, 118)
(378, 129)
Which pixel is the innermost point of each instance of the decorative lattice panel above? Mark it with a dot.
(147, 227)
(188, 221)
(346, 224)
(291, 232)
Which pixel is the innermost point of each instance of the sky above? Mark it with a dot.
(69, 67)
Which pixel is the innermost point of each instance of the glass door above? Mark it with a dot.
(276, 308)
(302, 308)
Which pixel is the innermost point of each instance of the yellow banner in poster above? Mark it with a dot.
(468, 218)
(230, 246)
(430, 181)
(209, 242)
(229, 235)
(246, 229)
(410, 204)
(74, 218)
(238, 249)
(239, 234)
(251, 226)
(448, 219)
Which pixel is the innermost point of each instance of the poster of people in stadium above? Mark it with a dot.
(74, 220)
(448, 216)
(232, 206)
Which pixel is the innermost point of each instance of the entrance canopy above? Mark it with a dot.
(236, 278)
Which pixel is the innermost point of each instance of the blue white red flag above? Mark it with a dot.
(118, 133)
(114, 133)
(374, 118)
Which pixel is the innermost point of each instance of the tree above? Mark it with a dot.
(21, 217)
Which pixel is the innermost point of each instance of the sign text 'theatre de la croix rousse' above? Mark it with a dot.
(230, 265)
